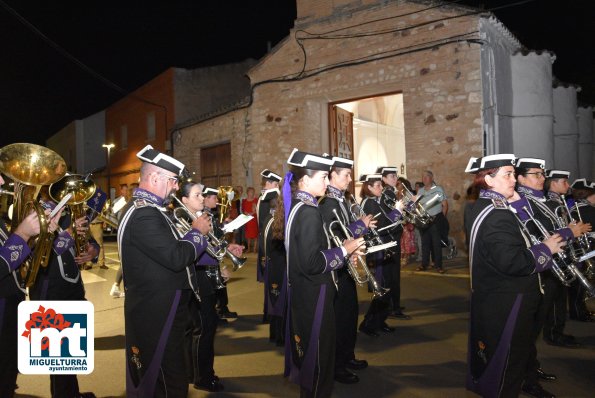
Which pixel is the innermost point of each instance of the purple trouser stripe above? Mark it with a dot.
(488, 384)
(305, 376)
(146, 387)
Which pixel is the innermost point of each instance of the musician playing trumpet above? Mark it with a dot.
(505, 268)
(312, 264)
(346, 305)
(203, 314)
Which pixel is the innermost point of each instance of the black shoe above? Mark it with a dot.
(228, 314)
(86, 395)
(222, 321)
(346, 377)
(535, 390)
(562, 342)
(586, 318)
(545, 376)
(368, 331)
(399, 315)
(212, 385)
(387, 329)
(356, 364)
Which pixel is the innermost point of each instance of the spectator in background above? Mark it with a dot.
(249, 208)
(431, 236)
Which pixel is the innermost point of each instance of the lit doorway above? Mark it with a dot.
(371, 131)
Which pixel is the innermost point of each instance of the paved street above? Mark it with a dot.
(425, 357)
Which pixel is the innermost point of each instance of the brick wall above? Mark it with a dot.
(441, 89)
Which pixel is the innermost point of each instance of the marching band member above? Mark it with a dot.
(203, 313)
(269, 181)
(583, 193)
(346, 305)
(311, 266)
(61, 280)
(505, 287)
(159, 280)
(275, 263)
(371, 193)
(389, 183)
(530, 174)
(13, 252)
(210, 207)
(556, 294)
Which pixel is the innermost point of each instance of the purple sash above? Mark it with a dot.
(489, 383)
(147, 384)
(304, 376)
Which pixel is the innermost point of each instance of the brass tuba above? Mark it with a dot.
(225, 197)
(30, 167)
(82, 188)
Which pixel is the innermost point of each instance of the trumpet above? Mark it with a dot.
(216, 247)
(582, 247)
(563, 267)
(363, 277)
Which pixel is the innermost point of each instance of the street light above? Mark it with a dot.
(109, 189)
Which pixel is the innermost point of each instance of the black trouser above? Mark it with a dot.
(346, 311)
(204, 324)
(395, 269)
(577, 307)
(222, 299)
(8, 344)
(554, 302)
(430, 241)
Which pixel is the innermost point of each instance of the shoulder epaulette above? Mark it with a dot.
(138, 203)
(499, 203)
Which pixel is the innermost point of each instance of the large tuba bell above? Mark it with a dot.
(82, 188)
(30, 167)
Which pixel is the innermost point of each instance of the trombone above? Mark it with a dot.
(360, 278)
(216, 247)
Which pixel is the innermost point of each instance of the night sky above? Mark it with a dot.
(130, 42)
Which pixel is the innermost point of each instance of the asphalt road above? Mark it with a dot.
(425, 357)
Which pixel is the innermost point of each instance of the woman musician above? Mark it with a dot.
(375, 318)
(311, 266)
(505, 290)
(203, 315)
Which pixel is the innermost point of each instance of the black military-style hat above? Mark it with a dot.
(583, 183)
(490, 162)
(557, 174)
(209, 191)
(342, 163)
(159, 159)
(386, 170)
(530, 163)
(370, 178)
(269, 194)
(269, 175)
(309, 161)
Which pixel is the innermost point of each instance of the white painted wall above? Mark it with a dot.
(532, 109)
(565, 129)
(585, 143)
(90, 136)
